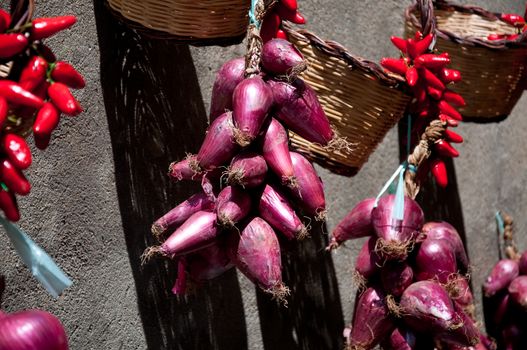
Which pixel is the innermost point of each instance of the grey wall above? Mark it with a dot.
(102, 182)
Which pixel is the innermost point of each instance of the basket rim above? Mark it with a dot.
(334, 49)
(446, 5)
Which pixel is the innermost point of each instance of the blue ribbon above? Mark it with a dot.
(501, 224)
(252, 16)
(42, 266)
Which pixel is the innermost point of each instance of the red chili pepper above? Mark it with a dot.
(63, 72)
(454, 98)
(438, 169)
(4, 109)
(62, 98)
(412, 76)
(34, 73)
(432, 61)
(445, 149)
(14, 93)
(418, 35)
(411, 49)
(434, 93)
(447, 109)
(512, 37)
(513, 19)
(395, 65)
(280, 34)
(13, 178)
(496, 37)
(5, 20)
(270, 26)
(420, 94)
(431, 79)
(46, 27)
(46, 121)
(423, 45)
(12, 44)
(289, 15)
(448, 120)
(290, 4)
(399, 43)
(47, 53)
(453, 137)
(17, 150)
(8, 205)
(450, 75)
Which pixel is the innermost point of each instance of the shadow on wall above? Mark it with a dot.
(154, 109)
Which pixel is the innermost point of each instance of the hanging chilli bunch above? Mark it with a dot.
(263, 186)
(416, 298)
(514, 20)
(34, 91)
(427, 74)
(272, 24)
(505, 294)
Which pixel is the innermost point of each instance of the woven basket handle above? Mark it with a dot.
(21, 12)
(428, 19)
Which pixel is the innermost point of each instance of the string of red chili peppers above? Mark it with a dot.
(427, 75)
(515, 21)
(33, 97)
(283, 10)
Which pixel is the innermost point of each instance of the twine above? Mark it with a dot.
(257, 12)
(505, 230)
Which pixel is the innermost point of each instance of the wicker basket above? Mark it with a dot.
(191, 21)
(493, 71)
(361, 101)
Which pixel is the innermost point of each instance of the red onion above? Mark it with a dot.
(354, 225)
(310, 190)
(368, 262)
(198, 232)
(443, 230)
(501, 276)
(396, 277)
(276, 210)
(371, 322)
(426, 307)
(301, 111)
(502, 307)
(228, 77)
(518, 291)
(186, 169)
(247, 170)
(435, 259)
(178, 215)
(275, 150)
(219, 146)
(31, 330)
(459, 290)
(396, 237)
(233, 204)
(209, 263)
(251, 102)
(399, 340)
(465, 335)
(514, 337)
(523, 263)
(281, 57)
(256, 253)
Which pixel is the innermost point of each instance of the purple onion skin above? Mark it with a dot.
(356, 224)
(368, 262)
(426, 307)
(396, 277)
(209, 263)
(523, 263)
(435, 258)
(248, 170)
(277, 211)
(443, 230)
(232, 205)
(281, 57)
(518, 291)
(219, 146)
(502, 308)
(228, 77)
(501, 276)
(301, 111)
(461, 293)
(413, 219)
(371, 322)
(184, 210)
(198, 232)
(310, 191)
(466, 335)
(256, 253)
(275, 150)
(251, 101)
(182, 170)
(399, 340)
(30, 330)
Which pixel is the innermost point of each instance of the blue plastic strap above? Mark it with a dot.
(389, 182)
(501, 224)
(252, 16)
(42, 266)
